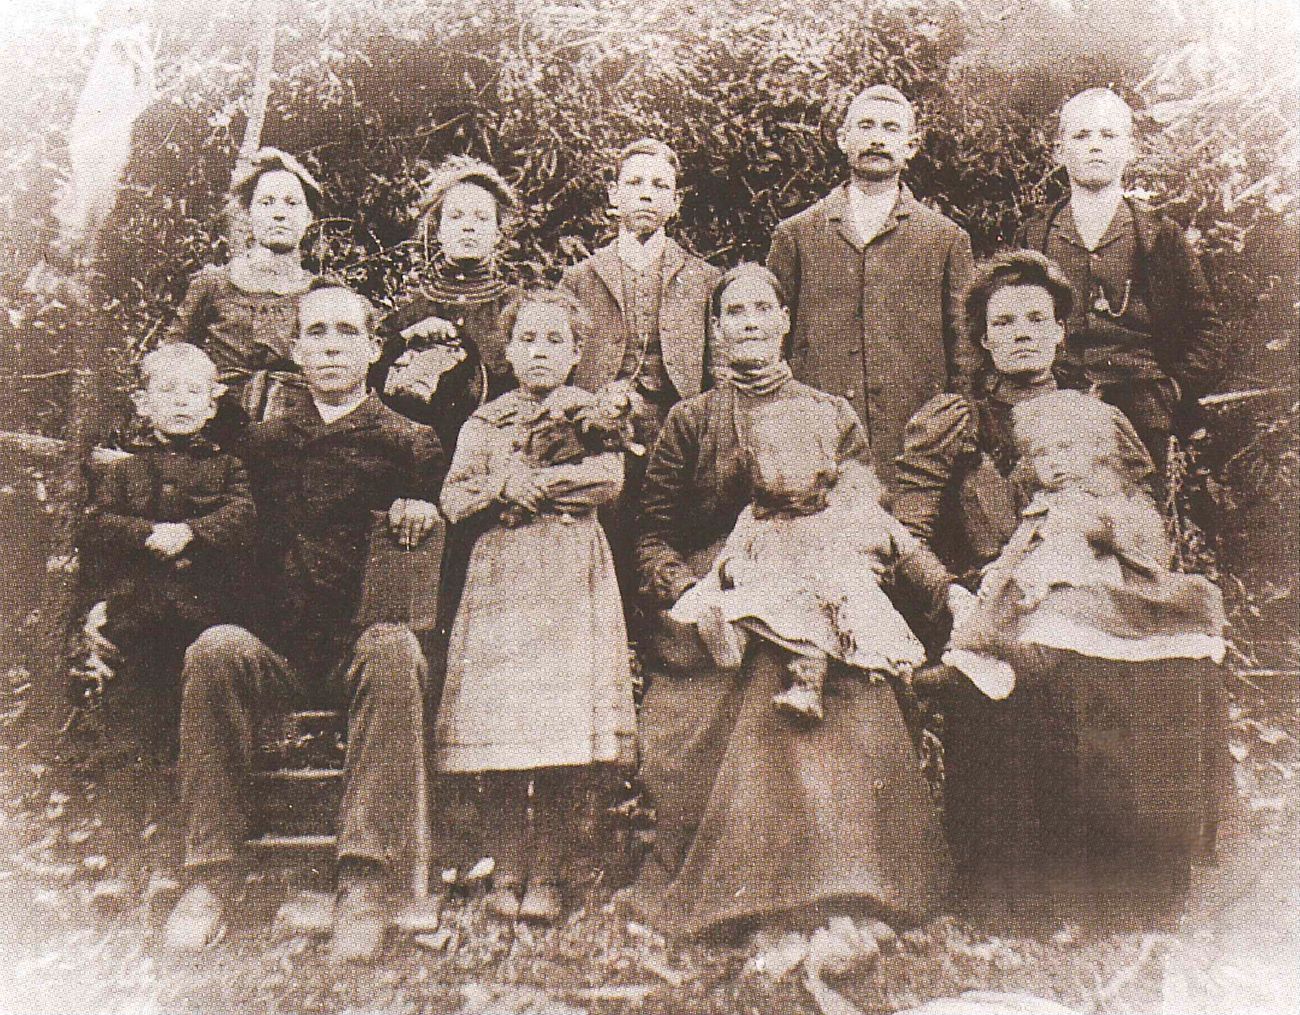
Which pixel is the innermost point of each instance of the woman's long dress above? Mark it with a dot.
(1070, 776)
(755, 815)
(537, 672)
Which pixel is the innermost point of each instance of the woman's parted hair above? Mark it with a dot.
(579, 323)
(1015, 268)
(745, 269)
(271, 160)
(457, 169)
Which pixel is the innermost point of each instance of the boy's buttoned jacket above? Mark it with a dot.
(1187, 335)
(688, 282)
(191, 481)
(879, 324)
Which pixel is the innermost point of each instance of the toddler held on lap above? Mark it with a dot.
(1089, 568)
(803, 565)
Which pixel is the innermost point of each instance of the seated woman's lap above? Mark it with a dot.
(768, 817)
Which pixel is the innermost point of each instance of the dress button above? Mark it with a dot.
(854, 351)
(849, 394)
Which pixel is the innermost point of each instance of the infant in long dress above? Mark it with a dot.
(803, 566)
(1089, 568)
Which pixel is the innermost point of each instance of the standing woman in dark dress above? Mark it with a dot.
(444, 349)
(961, 487)
(244, 314)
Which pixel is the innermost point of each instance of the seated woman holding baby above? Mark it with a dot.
(1082, 706)
(783, 777)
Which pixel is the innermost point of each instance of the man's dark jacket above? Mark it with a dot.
(880, 324)
(1187, 335)
(316, 486)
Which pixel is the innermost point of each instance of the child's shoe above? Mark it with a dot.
(503, 901)
(99, 658)
(542, 903)
(802, 700)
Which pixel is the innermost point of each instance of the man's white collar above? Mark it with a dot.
(870, 211)
(333, 413)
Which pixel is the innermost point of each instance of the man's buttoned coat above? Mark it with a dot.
(316, 485)
(878, 323)
(688, 282)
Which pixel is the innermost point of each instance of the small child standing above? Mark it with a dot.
(804, 564)
(538, 684)
(170, 527)
(1088, 570)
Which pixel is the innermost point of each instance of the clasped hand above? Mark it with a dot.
(411, 520)
(169, 539)
(526, 488)
(431, 329)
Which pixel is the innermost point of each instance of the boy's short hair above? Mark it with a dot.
(327, 282)
(270, 160)
(648, 146)
(745, 269)
(883, 93)
(176, 355)
(457, 169)
(1015, 268)
(579, 323)
(1094, 95)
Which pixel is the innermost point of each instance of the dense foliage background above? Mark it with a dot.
(370, 93)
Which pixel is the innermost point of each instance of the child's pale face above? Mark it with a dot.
(1095, 144)
(178, 401)
(752, 322)
(278, 213)
(468, 228)
(542, 350)
(334, 348)
(645, 196)
(1066, 457)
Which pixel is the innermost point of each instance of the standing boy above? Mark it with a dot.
(319, 472)
(875, 281)
(647, 300)
(1144, 333)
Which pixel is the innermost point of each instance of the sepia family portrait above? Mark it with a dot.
(601, 507)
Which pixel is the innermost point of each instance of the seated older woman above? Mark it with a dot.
(1025, 788)
(759, 817)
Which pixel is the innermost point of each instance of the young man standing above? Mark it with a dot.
(646, 297)
(647, 300)
(1144, 333)
(875, 280)
(318, 473)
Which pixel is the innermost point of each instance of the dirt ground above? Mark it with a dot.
(88, 852)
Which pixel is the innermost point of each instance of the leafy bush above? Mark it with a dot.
(372, 93)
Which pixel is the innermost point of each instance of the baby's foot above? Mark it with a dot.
(800, 702)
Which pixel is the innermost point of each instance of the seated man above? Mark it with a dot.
(318, 473)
